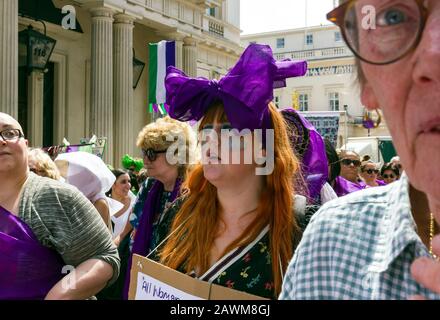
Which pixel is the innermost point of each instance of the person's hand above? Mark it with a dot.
(426, 271)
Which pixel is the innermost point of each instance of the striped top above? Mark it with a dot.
(64, 220)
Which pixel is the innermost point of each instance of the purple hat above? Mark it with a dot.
(309, 147)
(245, 90)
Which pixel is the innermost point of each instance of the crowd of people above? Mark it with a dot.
(251, 198)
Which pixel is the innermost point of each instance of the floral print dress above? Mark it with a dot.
(247, 268)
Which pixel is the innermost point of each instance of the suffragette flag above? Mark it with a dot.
(162, 55)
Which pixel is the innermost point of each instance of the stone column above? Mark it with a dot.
(190, 57)
(101, 100)
(35, 108)
(124, 140)
(179, 53)
(9, 57)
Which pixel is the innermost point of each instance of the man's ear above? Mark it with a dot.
(368, 97)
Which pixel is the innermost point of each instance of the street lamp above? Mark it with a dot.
(35, 48)
(138, 68)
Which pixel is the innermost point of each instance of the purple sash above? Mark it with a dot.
(28, 270)
(144, 230)
(343, 186)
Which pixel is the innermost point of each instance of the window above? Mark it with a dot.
(277, 101)
(309, 39)
(210, 12)
(334, 101)
(280, 43)
(213, 12)
(338, 37)
(303, 100)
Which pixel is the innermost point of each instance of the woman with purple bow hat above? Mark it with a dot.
(236, 224)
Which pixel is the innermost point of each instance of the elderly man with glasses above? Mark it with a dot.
(53, 243)
(380, 243)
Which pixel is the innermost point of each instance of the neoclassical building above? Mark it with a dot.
(87, 87)
(330, 83)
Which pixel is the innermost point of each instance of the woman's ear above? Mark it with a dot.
(368, 97)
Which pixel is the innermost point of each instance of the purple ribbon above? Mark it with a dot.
(245, 90)
(28, 270)
(313, 159)
(144, 230)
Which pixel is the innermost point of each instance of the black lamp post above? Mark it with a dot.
(138, 68)
(35, 48)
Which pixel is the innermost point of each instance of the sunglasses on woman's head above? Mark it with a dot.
(151, 154)
(390, 176)
(370, 171)
(347, 162)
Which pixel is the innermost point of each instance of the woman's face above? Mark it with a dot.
(389, 176)
(224, 158)
(122, 185)
(350, 166)
(159, 168)
(369, 173)
(13, 153)
(408, 92)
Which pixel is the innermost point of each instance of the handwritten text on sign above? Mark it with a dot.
(149, 288)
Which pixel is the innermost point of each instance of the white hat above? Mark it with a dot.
(87, 172)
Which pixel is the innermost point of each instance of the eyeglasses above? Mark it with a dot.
(347, 162)
(11, 134)
(380, 31)
(227, 132)
(151, 154)
(390, 176)
(370, 171)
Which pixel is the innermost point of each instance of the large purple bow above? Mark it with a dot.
(245, 90)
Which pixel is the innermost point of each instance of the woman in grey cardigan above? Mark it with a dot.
(53, 243)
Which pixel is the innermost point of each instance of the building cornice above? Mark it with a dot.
(288, 32)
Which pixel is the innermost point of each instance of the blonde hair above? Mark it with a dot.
(343, 153)
(364, 163)
(189, 246)
(154, 135)
(43, 163)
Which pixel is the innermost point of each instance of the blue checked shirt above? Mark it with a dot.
(361, 247)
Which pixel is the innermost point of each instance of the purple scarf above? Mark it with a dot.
(144, 230)
(28, 270)
(343, 186)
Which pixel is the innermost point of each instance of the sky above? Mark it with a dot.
(270, 15)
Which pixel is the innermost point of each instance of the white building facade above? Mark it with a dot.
(88, 88)
(330, 83)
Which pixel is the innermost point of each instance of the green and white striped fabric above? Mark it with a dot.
(162, 55)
